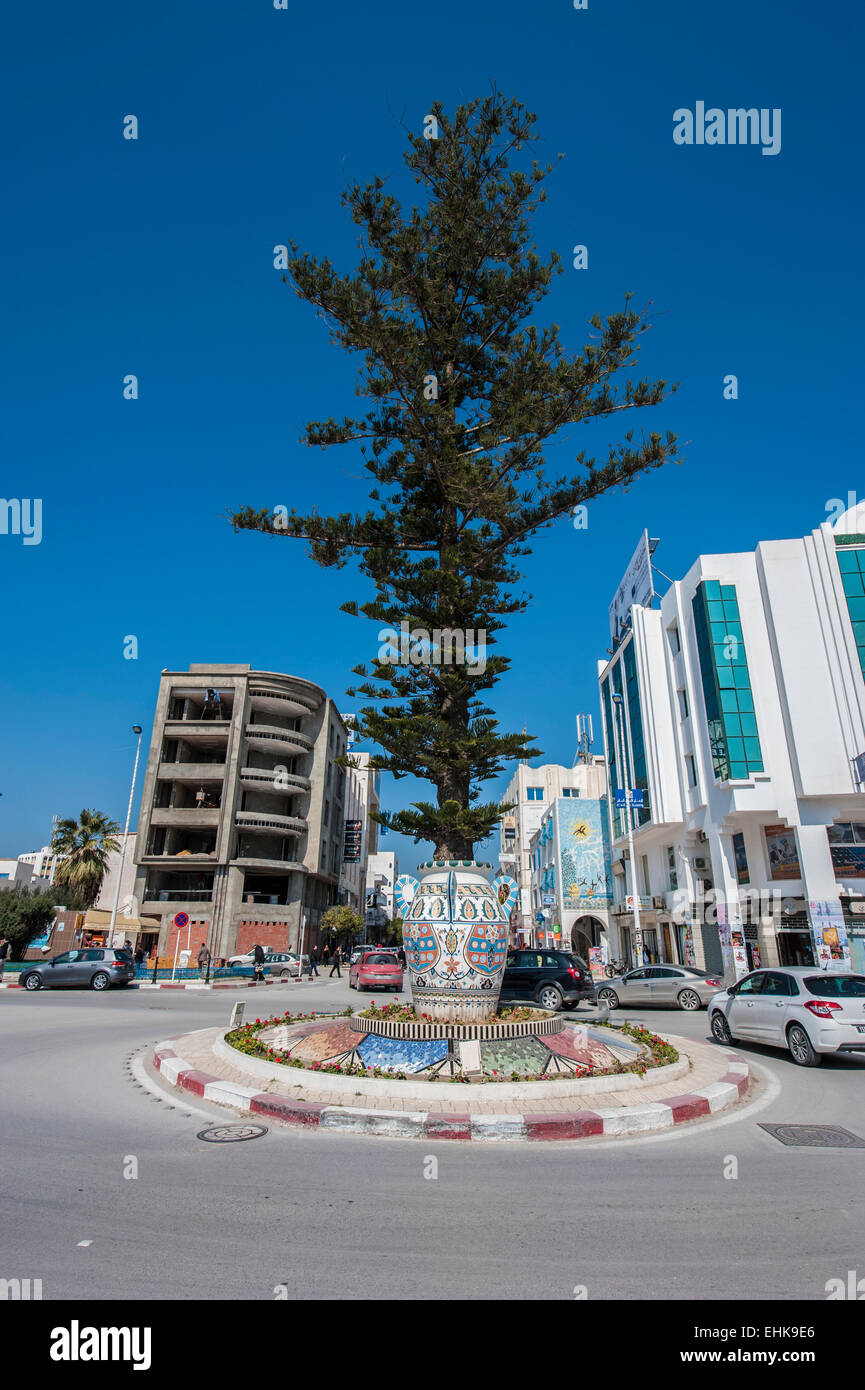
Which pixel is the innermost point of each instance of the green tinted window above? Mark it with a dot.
(726, 682)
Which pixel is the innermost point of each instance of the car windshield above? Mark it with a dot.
(836, 986)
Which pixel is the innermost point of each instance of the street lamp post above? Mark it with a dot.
(136, 729)
(618, 701)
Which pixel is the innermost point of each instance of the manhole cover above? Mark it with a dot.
(231, 1134)
(815, 1136)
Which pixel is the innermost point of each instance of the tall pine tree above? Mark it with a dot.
(465, 393)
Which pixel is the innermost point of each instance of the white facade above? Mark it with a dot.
(105, 901)
(44, 862)
(746, 752)
(382, 870)
(531, 790)
(361, 797)
(20, 873)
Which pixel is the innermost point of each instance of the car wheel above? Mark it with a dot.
(801, 1050)
(285, 975)
(100, 980)
(32, 982)
(550, 997)
(689, 1000)
(721, 1029)
(609, 997)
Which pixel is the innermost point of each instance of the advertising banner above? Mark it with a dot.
(353, 837)
(783, 853)
(636, 588)
(586, 871)
(829, 930)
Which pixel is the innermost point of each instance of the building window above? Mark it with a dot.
(672, 875)
(327, 812)
(535, 793)
(741, 858)
(684, 711)
(851, 562)
(691, 768)
(644, 865)
(732, 723)
(847, 848)
(675, 644)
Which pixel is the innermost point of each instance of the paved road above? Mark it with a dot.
(331, 1214)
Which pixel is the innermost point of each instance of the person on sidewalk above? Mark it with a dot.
(204, 959)
(258, 964)
(336, 958)
(313, 962)
(325, 955)
(4, 954)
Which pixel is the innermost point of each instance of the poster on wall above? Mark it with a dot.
(829, 930)
(586, 870)
(725, 936)
(596, 962)
(688, 941)
(782, 851)
(848, 861)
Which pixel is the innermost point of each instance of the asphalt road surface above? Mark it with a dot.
(339, 1215)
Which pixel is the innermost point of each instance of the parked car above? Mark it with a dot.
(809, 1012)
(553, 979)
(100, 967)
(285, 964)
(375, 970)
(282, 963)
(669, 986)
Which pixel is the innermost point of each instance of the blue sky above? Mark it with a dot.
(154, 257)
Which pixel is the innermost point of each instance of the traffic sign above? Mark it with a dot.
(181, 919)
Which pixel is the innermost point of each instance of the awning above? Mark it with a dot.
(97, 920)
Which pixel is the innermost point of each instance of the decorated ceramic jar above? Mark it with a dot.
(455, 937)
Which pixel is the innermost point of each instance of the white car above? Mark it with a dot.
(809, 1012)
(282, 963)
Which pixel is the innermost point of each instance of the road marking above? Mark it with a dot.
(82, 1244)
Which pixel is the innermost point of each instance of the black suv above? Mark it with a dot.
(552, 979)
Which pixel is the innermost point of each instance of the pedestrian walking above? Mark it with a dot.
(336, 959)
(400, 955)
(139, 956)
(325, 955)
(204, 959)
(313, 962)
(4, 954)
(258, 963)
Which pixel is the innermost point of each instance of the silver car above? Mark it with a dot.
(809, 1012)
(669, 986)
(100, 967)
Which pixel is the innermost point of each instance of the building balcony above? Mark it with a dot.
(192, 818)
(268, 821)
(269, 700)
(190, 772)
(212, 729)
(262, 779)
(180, 896)
(269, 736)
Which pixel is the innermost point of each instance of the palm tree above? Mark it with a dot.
(82, 848)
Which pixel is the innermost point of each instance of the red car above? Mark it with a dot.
(375, 970)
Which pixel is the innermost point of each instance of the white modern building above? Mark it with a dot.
(738, 706)
(43, 861)
(531, 791)
(381, 874)
(361, 832)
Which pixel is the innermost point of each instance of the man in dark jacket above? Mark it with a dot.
(336, 959)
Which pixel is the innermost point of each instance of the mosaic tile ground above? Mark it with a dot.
(598, 1049)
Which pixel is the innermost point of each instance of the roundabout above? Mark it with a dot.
(334, 1073)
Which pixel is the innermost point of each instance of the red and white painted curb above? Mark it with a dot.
(421, 1124)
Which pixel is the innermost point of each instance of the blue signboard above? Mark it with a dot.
(630, 796)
